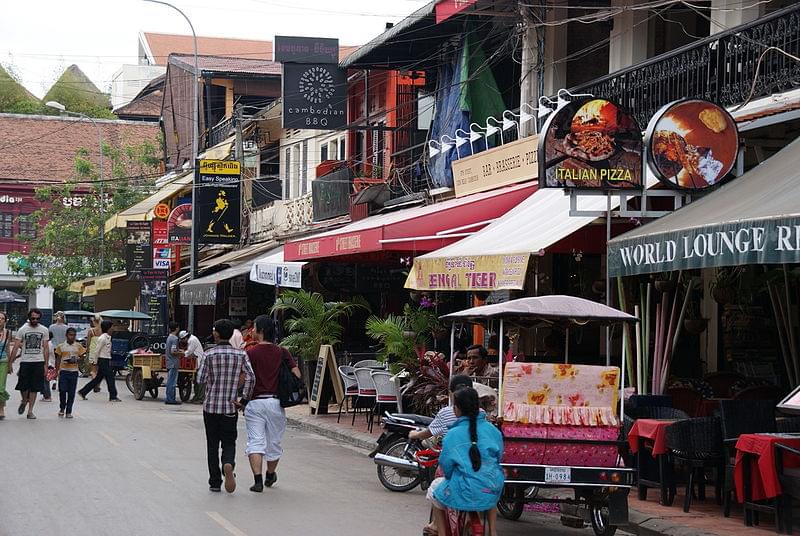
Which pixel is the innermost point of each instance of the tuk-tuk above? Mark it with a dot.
(561, 422)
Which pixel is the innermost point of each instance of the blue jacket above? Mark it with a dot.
(464, 489)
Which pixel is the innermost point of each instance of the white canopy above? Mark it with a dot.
(273, 270)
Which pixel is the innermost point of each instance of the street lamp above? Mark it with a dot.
(63, 109)
(195, 116)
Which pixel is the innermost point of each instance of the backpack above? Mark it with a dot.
(291, 389)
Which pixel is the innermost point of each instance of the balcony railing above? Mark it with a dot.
(221, 131)
(720, 68)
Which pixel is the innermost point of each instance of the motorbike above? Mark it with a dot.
(394, 455)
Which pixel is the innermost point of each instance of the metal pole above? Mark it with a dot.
(195, 119)
(608, 278)
(501, 363)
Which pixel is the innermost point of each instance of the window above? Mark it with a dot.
(287, 169)
(333, 147)
(323, 152)
(304, 169)
(6, 225)
(296, 170)
(27, 227)
(341, 148)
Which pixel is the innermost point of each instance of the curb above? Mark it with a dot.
(309, 424)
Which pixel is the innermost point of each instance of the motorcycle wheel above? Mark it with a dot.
(395, 479)
(599, 519)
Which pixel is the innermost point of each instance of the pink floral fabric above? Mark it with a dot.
(532, 452)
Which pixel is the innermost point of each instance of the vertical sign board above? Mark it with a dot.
(295, 49)
(314, 96)
(162, 253)
(325, 377)
(153, 286)
(218, 195)
(137, 248)
(179, 224)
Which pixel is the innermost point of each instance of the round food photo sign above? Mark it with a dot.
(591, 143)
(692, 144)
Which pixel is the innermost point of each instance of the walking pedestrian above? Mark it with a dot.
(174, 354)
(92, 334)
(58, 328)
(263, 414)
(5, 347)
(220, 373)
(103, 365)
(67, 355)
(194, 348)
(50, 373)
(237, 339)
(33, 345)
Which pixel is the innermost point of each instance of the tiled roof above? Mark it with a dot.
(162, 45)
(224, 64)
(42, 148)
(143, 106)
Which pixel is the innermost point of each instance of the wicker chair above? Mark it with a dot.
(686, 399)
(385, 393)
(697, 443)
(741, 417)
(368, 363)
(347, 373)
(758, 392)
(656, 412)
(790, 488)
(366, 392)
(721, 382)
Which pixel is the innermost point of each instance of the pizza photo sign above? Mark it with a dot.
(591, 143)
(692, 144)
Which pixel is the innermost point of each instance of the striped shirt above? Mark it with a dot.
(443, 420)
(221, 371)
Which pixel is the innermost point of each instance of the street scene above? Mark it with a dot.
(449, 267)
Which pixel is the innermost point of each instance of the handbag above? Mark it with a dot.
(291, 389)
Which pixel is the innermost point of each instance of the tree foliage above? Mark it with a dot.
(14, 98)
(67, 245)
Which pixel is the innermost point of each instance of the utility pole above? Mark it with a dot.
(238, 121)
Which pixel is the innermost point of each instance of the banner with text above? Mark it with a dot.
(153, 286)
(508, 164)
(218, 195)
(138, 250)
(480, 272)
(774, 241)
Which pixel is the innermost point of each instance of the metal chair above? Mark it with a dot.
(741, 417)
(350, 387)
(697, 443)
(385, 393)
(366, 390)
(368, 363)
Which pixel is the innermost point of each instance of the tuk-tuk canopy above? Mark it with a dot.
(547, 308)
(122, 314)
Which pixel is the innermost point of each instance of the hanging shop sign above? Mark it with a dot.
(591, 144)
(330, 194)
(153, 286)
(237, 306)
(138, 248)
(507, 164)
(314, 96)
(288, 275)
(179, 224)
(447, 8)
(692, 144)
(771, 241)
(218, 196)
(480, 272)
(295, 49)
(239, 286)
(161, 211)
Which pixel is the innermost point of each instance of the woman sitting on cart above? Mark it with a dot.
(470, 459)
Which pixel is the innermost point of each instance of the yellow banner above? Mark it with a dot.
(219, 167)
(478, 272)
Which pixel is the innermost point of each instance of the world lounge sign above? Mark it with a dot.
(774, 241)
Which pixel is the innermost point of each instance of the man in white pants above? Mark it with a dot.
(263, 414)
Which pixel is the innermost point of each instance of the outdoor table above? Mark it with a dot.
(653, 432)
(755, 475)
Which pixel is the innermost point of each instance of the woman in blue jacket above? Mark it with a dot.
(470, 459)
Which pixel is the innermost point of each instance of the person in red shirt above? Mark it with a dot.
(263, 414)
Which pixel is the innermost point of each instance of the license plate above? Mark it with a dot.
(557, 474)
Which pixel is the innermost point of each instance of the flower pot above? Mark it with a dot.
(695, 326)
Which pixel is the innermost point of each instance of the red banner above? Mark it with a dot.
(447, 8)
(334, 245)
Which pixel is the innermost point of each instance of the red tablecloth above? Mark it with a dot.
(653, 429)
(764, 477)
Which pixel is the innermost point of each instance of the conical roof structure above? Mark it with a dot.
(14, 98)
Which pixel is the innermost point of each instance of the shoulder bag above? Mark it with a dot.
(291, 389)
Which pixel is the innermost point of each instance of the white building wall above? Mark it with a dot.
(298, 166)
(130, 80)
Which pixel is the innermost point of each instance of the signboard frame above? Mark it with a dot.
(314, 96)
(218, 215)
(325, 369)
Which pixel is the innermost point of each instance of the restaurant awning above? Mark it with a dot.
(90, 286)
(273, 270)
(143, 210)
(497, 257)
(203, 290)
(754, 219)
(418, 229)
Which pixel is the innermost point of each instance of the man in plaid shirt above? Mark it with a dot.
(221, 372)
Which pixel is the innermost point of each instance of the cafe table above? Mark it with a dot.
(648, 438)
(755, 475)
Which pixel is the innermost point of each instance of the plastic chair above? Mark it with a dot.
(385, 393)
(741, 417)
(698, 444)
(366, 390)
(350, 387)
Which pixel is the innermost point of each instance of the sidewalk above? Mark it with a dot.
(648, 518)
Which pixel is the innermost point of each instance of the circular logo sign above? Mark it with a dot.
(591, 144)
(692, 144)
(161, 211)
(316, 85)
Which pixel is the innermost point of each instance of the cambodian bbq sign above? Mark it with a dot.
(314, 96)
(774, 241)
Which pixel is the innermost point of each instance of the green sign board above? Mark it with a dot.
(767, 241)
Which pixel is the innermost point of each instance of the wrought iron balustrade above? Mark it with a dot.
(720, 68)
(221, 131)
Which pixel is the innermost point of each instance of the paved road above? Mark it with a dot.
(138, 467)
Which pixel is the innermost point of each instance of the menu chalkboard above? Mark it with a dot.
(325, 377)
